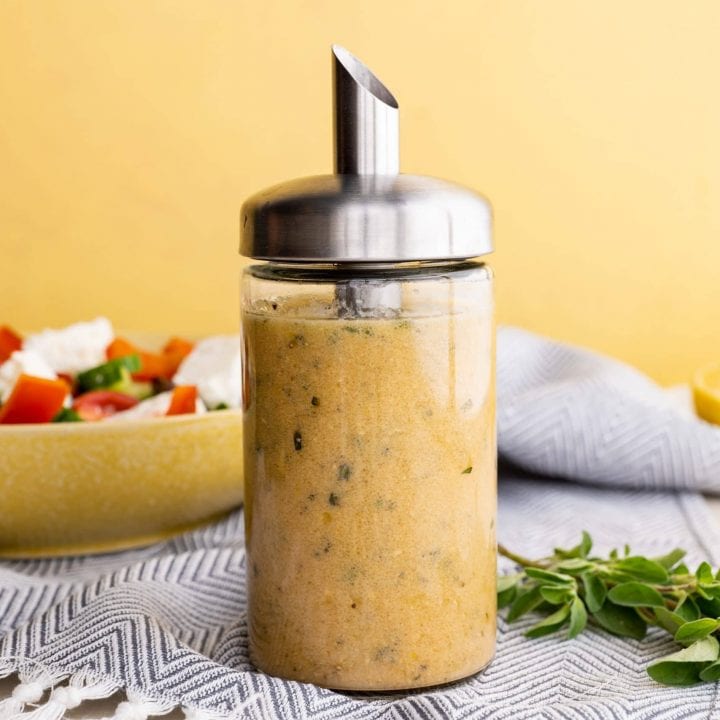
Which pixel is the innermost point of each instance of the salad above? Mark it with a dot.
(85, 373)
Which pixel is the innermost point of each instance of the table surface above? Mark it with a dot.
(106, 708)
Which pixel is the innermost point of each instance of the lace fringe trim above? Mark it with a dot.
(44, 694)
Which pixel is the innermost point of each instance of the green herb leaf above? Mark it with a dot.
(467, 470)
(505, 582)
(668, 620)
(575, 565)
(688, 609)
(622, 621)
(507, 589)
(578, 617)
(636, 594)
(704, 573)
(525, 602)
(505, 597)
(582, 550)
(549, 577)
(670, 559)
(695, 630)
(557, 594)
(550, 624)
(702, 593)
(595, 592)
(713, 590)
(711, 607)
(643, 569)
(585, 544)
(684, 667)
(711, 673)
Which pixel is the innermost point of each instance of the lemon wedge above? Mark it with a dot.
(706, 393)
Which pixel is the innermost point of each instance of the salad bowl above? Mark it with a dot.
(92, 487)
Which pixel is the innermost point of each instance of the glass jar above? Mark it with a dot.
(370, 471)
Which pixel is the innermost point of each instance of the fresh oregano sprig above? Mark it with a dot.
(622, 594)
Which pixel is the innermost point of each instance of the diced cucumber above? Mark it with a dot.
(67, 415)
(128, 386)
(108, 374)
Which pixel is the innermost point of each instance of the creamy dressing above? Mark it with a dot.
(370, 471)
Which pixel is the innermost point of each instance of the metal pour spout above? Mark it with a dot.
(366, 212)
(366, 120)
(366, 143)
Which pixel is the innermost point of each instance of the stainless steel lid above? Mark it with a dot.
(366, 211)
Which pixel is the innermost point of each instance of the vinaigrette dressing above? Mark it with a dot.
(370, 496)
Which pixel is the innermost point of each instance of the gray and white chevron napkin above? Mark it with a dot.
(166, 624)
(570, 413)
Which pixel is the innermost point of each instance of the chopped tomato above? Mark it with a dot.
(10, 341)
(175, 351)
(33, 400)
(183, 400)
(100, 404)
(152, 365)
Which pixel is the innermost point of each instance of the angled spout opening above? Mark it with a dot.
(363, 76)
(366, 119)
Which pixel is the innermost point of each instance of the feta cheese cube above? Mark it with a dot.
(22, 362)
(214, 366)
(75, 348)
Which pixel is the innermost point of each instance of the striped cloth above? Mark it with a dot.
(167, 624)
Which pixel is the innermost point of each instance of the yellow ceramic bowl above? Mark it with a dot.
(69, 488)
(93, 487)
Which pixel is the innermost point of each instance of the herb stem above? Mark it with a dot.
(520, 560)
(691, 587)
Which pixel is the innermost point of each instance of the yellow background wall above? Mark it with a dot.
(131, 130)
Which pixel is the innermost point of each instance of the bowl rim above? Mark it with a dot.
(78, 428)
